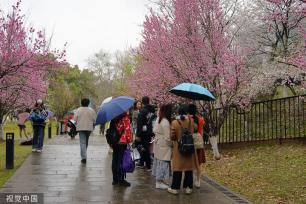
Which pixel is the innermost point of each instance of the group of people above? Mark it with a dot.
(38, 115)
(155, 133)
(158, 134)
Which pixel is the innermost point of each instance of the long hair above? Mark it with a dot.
(135, 104)
(165, 111)
(182, 111)
(192, 110)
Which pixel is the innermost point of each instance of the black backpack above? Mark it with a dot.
(112, 135)
(185, 144)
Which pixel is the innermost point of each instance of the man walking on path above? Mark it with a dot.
(85, 118)
(144, 131)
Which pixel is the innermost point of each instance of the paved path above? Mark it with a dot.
(58, 174)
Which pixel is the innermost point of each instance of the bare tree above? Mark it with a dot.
(102, 66)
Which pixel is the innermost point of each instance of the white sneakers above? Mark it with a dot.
(175, 192)
(197, 183)
(188, 190)
(172, 191)
(161, 185)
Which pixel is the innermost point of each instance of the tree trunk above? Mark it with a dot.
(213, 140)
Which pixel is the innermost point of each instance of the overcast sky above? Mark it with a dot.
(86, 25)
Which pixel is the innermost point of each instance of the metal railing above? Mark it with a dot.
(266, 120)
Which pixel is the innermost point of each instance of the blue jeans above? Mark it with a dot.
(84, 136)
(38, 137)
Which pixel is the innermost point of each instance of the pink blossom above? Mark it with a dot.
(189, 43)
(25, 60)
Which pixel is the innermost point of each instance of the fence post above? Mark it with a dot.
(280, 122)
(9, 150)
(49, 131)
(57, 129)
(61, 127)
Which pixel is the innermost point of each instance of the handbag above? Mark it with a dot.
(198, 141)
(135, 154)
(128, 165)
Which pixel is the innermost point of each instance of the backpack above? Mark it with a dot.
(112, 135)
(185, 144)
(37, 116)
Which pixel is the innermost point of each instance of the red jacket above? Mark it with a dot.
(125, 130)
(201, 124)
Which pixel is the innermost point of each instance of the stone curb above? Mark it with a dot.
(230, 194)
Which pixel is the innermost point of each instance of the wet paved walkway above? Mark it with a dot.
(58, 173)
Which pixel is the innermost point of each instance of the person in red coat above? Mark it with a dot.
(123, 125)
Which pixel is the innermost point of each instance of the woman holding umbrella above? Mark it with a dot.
(116, 112)
(181, 162)
(123, 127)
(195, 92)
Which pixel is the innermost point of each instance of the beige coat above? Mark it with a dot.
(162, 147)
(181, 162)
(85, 118)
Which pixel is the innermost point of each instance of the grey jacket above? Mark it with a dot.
(85, 118)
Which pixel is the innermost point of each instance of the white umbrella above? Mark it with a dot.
(106, 101)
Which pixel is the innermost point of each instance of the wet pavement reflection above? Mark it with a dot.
(58, 173)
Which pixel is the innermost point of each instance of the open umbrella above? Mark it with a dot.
(192, 91)
(108, 99)
(114, 108)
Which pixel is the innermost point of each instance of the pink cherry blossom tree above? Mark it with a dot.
(25, 61)
(281, 39)
(189, 41)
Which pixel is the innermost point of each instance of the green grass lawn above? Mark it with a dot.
(11, 127)
(20, 154)
(263, 173)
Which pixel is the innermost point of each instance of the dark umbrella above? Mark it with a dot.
(192, 91)
(114, 108)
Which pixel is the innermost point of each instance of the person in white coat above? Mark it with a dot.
(85, 118)
(162, 147)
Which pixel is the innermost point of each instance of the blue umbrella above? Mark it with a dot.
(192, 91)
(114, 108)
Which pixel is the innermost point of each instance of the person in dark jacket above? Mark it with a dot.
(144, 131)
